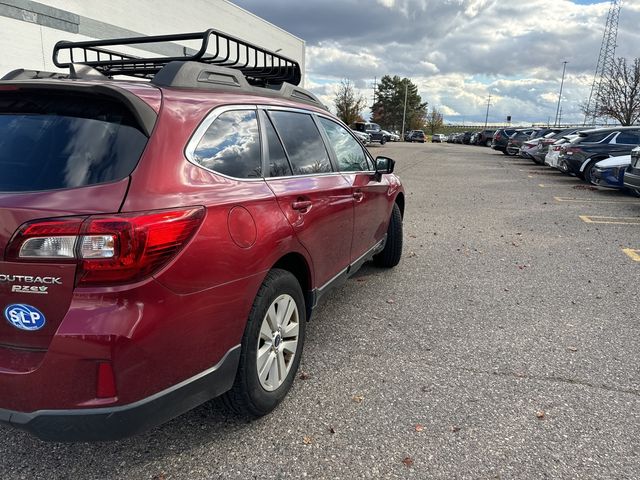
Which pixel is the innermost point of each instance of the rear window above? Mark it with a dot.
(51, 140)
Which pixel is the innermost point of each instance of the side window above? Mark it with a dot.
(351, 157)
(278, 163)
(302, 142)
(231, 145)
(597, 137)
(628, 138)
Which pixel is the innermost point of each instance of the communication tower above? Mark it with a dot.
(606, 59)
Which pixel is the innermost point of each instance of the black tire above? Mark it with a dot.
(588, 170)
(383, 140)
(487, 143)
(505, 152)
(390, 256)
(248, 397)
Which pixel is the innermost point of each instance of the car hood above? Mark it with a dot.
(621, 161)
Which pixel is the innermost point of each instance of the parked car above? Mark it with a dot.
(538, 148)
(466, 138)
(580, 155)
(364, 138)
(632, 173)
(551, 158)
(501, 138)
(391, 137)
(438, 138)
(165, 242)
(376, 133)
(416, 136)
(485, 137)
(517, 139)
(610, 172)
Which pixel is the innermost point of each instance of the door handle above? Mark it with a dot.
(358, 196)
(302, 205)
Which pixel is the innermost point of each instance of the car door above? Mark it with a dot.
(372, 204)
(317, 201)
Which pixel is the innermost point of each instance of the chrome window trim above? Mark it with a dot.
(201, 130)
(329, 117)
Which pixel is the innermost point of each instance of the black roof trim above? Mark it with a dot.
(260, 66)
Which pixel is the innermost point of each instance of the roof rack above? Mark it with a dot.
(261, 67)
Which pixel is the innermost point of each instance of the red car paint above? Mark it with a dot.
(117, 344)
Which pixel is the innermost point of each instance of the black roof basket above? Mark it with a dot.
(261, 67)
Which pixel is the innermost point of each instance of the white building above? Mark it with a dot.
(29, 30)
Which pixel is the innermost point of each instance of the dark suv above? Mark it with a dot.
(415, 136)
(501, 138)
(579, 156)
(165, 242)
(373, 129)
(485, 137)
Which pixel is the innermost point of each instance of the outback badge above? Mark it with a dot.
(24, 317)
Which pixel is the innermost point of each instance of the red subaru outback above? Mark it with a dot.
(164, 242)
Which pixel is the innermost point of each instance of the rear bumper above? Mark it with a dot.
(113, 423)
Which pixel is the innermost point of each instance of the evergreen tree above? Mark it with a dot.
(389, 104)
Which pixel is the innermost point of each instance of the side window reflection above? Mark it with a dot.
(349, 152)
(231, 145)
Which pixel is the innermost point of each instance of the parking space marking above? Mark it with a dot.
(633, 254)
(589, 200)
(610, 220)
(555, 185)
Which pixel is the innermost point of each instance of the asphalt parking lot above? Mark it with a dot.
(504, 345)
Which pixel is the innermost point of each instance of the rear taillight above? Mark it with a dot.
(109, 249)
(571, 150)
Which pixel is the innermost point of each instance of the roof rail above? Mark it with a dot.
(261, 67)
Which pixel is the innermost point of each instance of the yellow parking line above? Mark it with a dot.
(632, 253)
(588, 200)
(610, 220)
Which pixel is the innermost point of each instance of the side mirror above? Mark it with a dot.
(384, 165)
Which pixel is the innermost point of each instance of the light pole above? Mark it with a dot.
(564, 69)
(486, 117)
(404, 114)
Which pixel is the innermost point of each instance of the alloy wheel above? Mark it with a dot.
(278, 342)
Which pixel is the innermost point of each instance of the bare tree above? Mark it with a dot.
(348, 103)
(434, 121)
(619, 97)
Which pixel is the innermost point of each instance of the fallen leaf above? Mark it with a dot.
(412, 254)
(160, 476)
(540, 414)
(425, 389)
(304, 376)
(357, 398)
(307, 440)
(391, 301)
(408, 461)
(572, 349)
(419, 428)
(332, 430)
(455, 428)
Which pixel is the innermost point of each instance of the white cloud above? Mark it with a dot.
(459, 52)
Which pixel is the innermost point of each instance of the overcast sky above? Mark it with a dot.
(458, 52)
